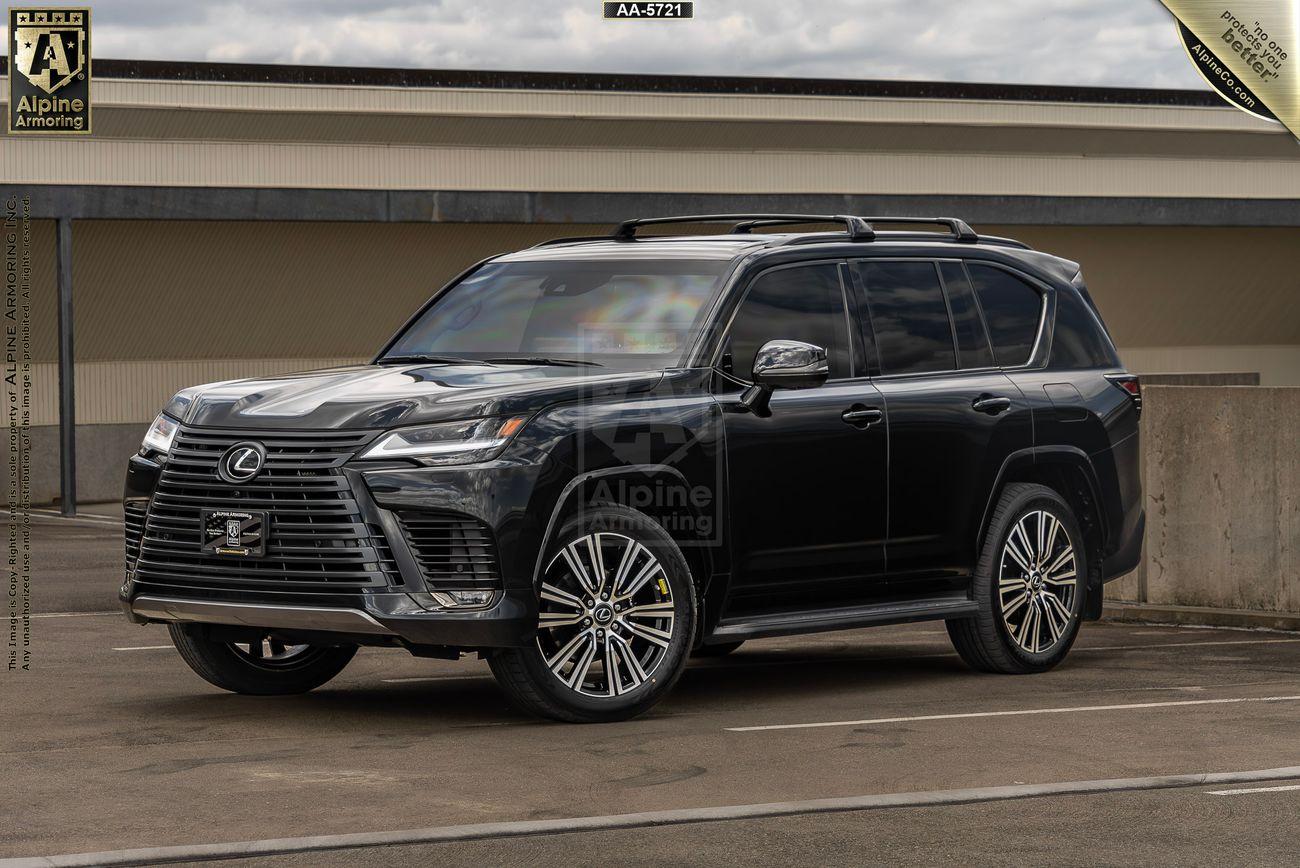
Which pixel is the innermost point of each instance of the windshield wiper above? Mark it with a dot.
(543, 360)
(446, 360)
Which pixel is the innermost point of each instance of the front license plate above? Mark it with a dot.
(234, 533)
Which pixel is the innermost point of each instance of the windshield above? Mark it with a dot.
(624, 314)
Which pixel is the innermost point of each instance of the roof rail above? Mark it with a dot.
(571, 239)
(960, 229)
(857, 228)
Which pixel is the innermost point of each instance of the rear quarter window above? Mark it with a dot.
(1012, 310)
(1077, 339)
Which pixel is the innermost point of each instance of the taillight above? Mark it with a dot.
(1132, 387)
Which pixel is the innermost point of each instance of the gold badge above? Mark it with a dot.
(1246, 50)
(49, 70)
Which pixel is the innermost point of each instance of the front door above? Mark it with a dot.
(806, 480)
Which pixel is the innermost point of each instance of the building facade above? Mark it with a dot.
(227, 221)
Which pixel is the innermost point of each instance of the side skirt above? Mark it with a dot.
(844, 618)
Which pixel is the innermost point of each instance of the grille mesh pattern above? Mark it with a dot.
(134, 518)
(317, 536)
(454, 552)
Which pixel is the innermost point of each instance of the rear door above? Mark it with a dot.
(953, 416)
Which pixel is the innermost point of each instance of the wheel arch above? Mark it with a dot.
(1069, 472)
(601, 486)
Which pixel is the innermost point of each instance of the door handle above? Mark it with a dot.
(991, 404)
(862, 417)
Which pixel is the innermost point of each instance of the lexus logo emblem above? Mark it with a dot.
(241, 462)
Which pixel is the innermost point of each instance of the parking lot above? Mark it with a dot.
(113, 743)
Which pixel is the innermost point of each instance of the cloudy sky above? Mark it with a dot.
(1106, 42)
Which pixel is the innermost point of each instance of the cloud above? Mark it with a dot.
(1102, 42)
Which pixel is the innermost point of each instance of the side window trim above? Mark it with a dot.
(724, 333)
(979, 312)
(875, 365)
(1041, 350)
(952, 320)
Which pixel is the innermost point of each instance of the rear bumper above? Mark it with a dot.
(1129, 554)
(395, 617)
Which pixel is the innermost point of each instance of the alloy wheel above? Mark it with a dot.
(272, 652)
(606, 615)
(1037, 582)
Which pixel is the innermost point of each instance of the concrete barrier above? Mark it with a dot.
(1221, 478)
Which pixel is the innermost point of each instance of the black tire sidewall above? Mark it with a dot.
(618, 519)
(219, 664)
(1029, 498)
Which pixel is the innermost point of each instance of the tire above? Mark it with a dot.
(563, 673)
(717, 650)
(1044, 603)
(277, 668)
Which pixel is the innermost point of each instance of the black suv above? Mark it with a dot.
(589, 460)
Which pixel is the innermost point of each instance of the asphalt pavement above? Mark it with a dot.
(113, 743)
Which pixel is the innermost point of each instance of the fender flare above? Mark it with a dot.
(1036, 456)
(581, 479)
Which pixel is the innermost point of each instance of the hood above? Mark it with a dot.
(385, 396)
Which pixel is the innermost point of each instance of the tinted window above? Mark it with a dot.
(972, 339)
(1011, 309)
(909, 317)
(797, 304)
(1077, 340)
(623, 313)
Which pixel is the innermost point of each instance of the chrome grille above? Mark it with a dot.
(454, 552)
(317, 535)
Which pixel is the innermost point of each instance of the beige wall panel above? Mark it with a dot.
(1277, 366)
(496, 131)
(1178, 286)
(217, 290)
(176, 290)
(186, 96)
(120, 392)
(362, 166)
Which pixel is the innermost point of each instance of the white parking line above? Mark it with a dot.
(1183, 645)
(146, 648)
(1016, 713)
(1249, 790)
(648, 819)
(433, 678)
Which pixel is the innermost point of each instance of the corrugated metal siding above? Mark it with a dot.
(186, 96)
(360, 166)
(133, 391)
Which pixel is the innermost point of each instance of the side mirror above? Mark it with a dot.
(785, 365)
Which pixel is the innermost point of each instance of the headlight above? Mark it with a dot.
(448, 442)
(160, 435)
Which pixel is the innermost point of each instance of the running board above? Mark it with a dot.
(822, 620)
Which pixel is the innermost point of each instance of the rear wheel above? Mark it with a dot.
(1027, 585)
(266, 666)
(616, 613)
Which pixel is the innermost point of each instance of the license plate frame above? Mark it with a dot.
(236, 533)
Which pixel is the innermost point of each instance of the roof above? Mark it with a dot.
(267, 73)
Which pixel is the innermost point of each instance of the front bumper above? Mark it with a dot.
(389, 595)
(394, 617)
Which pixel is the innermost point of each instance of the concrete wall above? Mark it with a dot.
(1222, 486)
(102, 451)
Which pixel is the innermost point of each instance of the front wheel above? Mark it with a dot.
(616, 614)
(1027, 585)
(266, 666)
